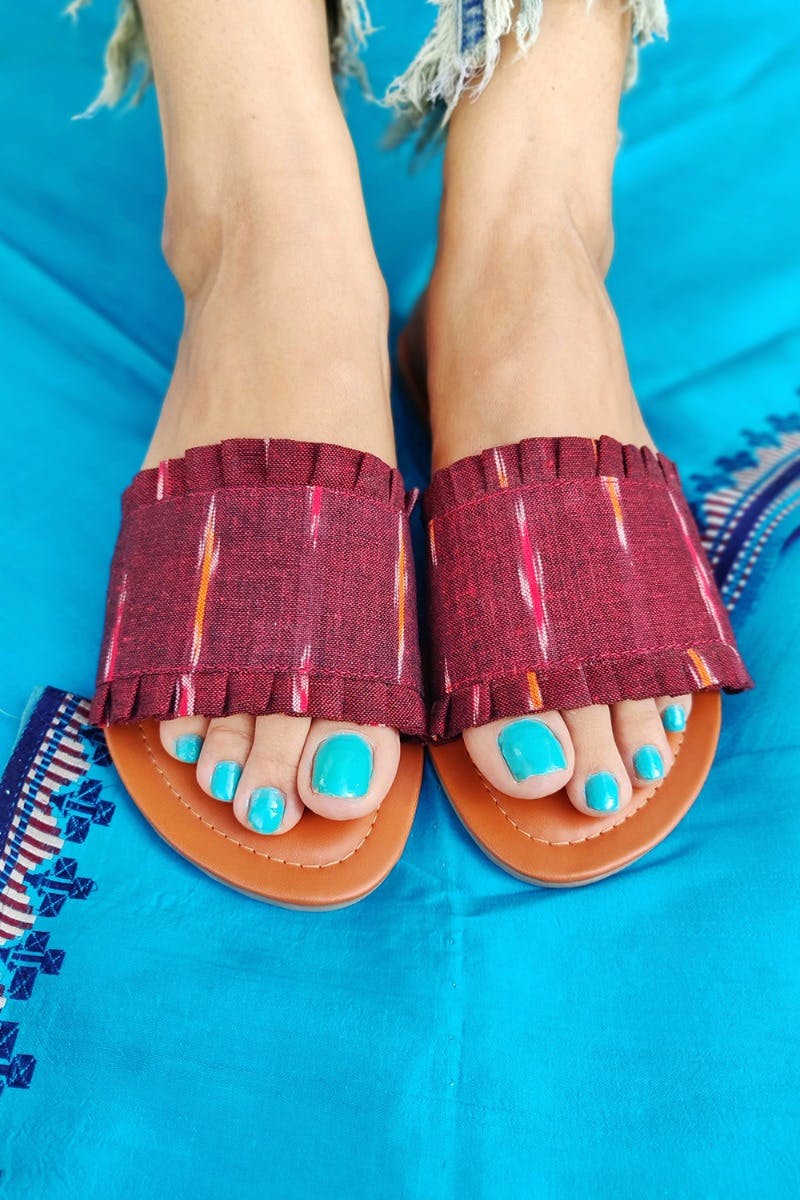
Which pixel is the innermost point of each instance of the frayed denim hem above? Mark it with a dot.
(458, 57)
(127, 59)
(463, 49)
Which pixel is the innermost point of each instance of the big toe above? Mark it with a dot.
(346, 770)
(528, 757)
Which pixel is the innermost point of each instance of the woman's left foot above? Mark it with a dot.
(285, 337)
(522, 341)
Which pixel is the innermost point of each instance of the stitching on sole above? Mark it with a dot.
(286, 862)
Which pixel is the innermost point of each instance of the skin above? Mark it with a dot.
(521, 335)
(266, 234)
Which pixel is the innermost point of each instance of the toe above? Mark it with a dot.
(183, 737)
(600, 784)
(642, 741)
(266, 799)
(674, 712)
(528, 757)
(346, 770)
(224, 754)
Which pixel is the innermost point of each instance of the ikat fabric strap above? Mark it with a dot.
(264, 577)
(565, 572)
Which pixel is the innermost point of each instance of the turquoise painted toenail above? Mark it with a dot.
(343, 766)
(225, 780)
(602, 792)
(266, 809)
(530, 748)
(674, 718)
(188, 747)
(648, 764)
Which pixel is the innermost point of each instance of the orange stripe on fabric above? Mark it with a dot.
(500, 467)
(702, 670)
(612, 487)
(614, 495)
(205, 579)
(535, 691)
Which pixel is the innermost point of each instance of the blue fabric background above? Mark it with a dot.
(458, 1034)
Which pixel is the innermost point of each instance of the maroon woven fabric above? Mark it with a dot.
(263, 577)
(565, 572)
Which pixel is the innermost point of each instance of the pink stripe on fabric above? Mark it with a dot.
(591, 586)
(264, 577)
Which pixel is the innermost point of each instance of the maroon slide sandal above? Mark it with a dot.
(565, 572)
(264, 577)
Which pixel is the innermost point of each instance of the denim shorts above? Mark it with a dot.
(459, 54)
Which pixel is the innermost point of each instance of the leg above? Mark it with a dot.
(286, 314)
(522, 338)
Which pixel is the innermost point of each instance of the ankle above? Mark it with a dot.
(527, 218)
(285, 330)
(246, 244)
(263, 190)
(503, 283)
(520, 331)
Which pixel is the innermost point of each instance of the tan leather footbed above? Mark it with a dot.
(319, 864)
(549, 842)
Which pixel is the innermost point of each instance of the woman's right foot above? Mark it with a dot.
(285, 336)
(523, 342)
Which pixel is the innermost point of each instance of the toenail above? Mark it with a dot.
(225, 780)
(188, 747)
(343, 766)
(602, 792)
(530, 748)
(648, 764)
(674, 718)
(266, 809)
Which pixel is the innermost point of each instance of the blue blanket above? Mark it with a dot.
(459, 1034)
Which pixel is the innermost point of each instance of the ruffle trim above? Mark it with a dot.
(218, 693)
(673, 671)
(536, 460)
(268, 463)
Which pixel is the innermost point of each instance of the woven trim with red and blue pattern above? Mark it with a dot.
(565, 572)
(262, 577)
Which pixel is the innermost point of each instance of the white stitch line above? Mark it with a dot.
(285, 862)
(631, 812)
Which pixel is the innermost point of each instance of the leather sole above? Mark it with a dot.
(548, 842)
(319, 865)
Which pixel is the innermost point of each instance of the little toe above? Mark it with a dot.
(528, 756)
(183, 738)
(225, 751)
(346, 770)
(674, 712)
(600, 784)
(642, 741)
(266, 799)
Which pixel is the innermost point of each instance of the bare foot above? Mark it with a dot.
(285, 336)
(523, 342)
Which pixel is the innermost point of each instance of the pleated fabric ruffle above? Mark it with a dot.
(565, 572)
